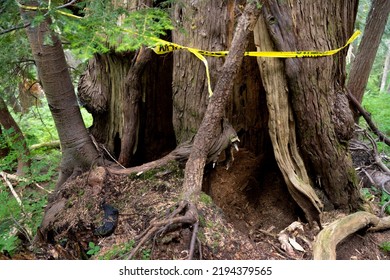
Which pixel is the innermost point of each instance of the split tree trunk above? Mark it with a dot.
(282, 130)
(316, 85)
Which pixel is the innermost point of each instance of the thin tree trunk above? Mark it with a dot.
(8, 122)
(78, 151)
(362, 64)
(386, 67)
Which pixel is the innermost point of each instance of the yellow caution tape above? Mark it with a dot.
(163, 47)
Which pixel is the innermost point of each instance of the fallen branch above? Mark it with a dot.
(21, 179)
(50, 145)
(324, 248)
(4, 175)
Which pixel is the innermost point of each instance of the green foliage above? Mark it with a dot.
(379, 107)
(103, 27)
(385, 197)
(146, 254)
(385, 246)
(16, 220)
(93, 249)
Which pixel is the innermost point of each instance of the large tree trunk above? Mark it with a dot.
(209, 25)
(324, 122)
(8, 122)
(210, 127)
(78, 151)
(362, 64)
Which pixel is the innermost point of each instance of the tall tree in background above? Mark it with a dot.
(16, 136)
(362, 64)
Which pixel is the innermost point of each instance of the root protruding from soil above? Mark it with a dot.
(185, 213)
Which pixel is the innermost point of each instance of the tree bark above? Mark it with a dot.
(365, 56)
(321, 111)
(211, 123)
(130, 98)
(209, 25)
(386, 67)
(282, 130)
(132, 106)
(8, 122)
(78, 151)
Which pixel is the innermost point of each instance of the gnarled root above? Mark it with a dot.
(185, 213)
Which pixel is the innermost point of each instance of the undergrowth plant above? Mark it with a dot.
(18, 223)
(378, 104)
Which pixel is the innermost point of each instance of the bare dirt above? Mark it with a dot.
(242, 211)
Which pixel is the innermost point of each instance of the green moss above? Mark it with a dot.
(118, 251)
(206, 199)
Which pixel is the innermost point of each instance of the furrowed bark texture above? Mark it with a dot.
(211, 124)
(282, 128)
(209, 25)
(324, 122)
(129, 95)
(132, 106)
(78, 152)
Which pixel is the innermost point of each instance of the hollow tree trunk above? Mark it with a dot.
(365, 56)
(316, 85)
(8, 122)
(129, 96)
(78, 152)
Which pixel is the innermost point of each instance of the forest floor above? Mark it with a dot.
(242, 211)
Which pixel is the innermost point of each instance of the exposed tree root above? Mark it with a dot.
(159, 228)
(324, 248)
